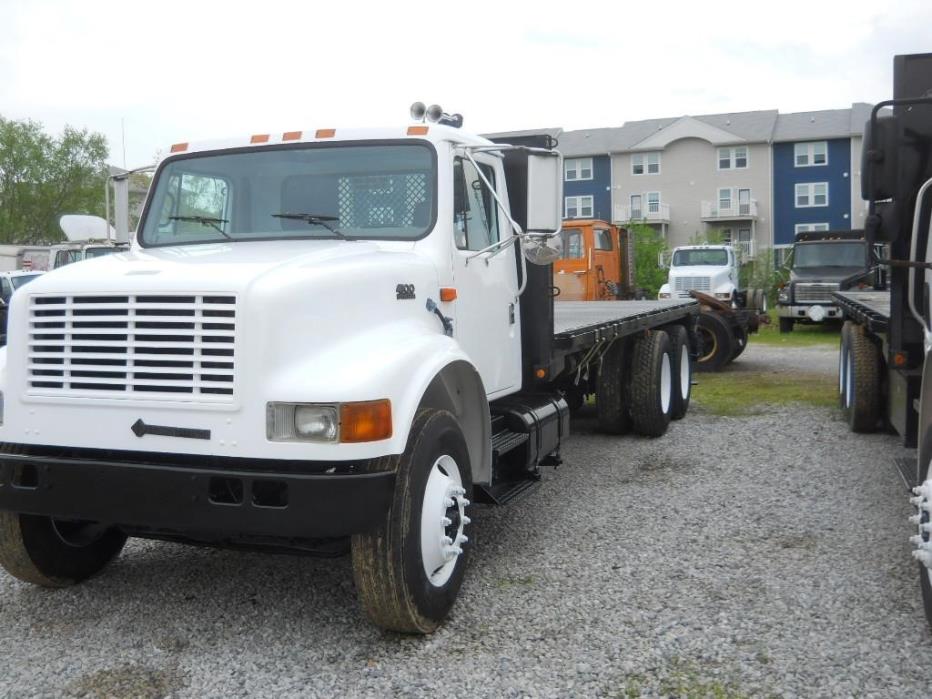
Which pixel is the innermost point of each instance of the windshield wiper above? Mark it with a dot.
(315, 219)
(205, 221)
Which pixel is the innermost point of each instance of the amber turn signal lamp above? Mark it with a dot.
(899, 359)
(447, 293)
(368, 421)
(326, 133)
(540, 373)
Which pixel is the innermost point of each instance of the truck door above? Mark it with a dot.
(606, 265)
(486, 323)
(570, 272)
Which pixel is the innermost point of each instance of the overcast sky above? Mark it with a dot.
(177, 71)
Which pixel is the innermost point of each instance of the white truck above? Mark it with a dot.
(709, 273)
(317, 335)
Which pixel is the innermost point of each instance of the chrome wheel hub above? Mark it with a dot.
(443, 521)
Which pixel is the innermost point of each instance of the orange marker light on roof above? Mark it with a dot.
(179, 147)
(447, 293)
(259, 138)
(326, 133)
(368, 421)
(418, 130)
(291, 136)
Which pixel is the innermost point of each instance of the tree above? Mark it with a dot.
(648, 246)
(42, 177)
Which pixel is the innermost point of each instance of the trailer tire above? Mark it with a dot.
(786, 325)
(741, 341)
(682, 371)
(716, 342)
(611, 399)
(390, 566)
(862, 381)
(55, 553)
(651, 384)
(843, 362)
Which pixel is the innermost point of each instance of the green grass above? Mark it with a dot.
(822, 334)
(737, 394)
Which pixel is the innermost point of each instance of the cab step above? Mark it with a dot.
(906, 467)
(508, 491)
(506, 440)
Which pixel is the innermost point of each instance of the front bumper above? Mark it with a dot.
(177, 498)
(801, 312)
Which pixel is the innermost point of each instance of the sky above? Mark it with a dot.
(150, 74)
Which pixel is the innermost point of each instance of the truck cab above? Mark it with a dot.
(820, 262)
(711, 269)
(597, 262)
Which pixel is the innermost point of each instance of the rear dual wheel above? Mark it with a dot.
(859, 378)
(651, 384)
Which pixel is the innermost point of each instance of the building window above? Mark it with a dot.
(578, 207)
(810, 154)
(809, 227)
(636, 213)
(724, 198)
(648, 163)
(653, 202)
(811, 194)
(577, 169)
(735, 158)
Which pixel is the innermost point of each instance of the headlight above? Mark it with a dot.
(289, 422)
(724, 296)
(784, 295)
(663, 295)
(366, 421)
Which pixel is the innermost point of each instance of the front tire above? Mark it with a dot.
(55, 553)
(716, 341)
(408, 570)
(786, 325)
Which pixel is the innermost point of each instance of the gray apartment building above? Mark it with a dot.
(756, 177)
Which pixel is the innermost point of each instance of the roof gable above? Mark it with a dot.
(687, 127)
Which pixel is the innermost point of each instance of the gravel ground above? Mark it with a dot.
(703, 563)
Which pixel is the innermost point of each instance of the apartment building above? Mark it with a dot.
(817, 171)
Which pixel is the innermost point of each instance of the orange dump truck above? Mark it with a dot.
(597, 262)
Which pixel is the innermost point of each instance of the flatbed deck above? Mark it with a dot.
(870, 308)
(581, 323)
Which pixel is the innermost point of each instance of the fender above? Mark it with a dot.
(405, 363)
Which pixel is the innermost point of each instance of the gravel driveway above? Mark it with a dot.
(762, 556)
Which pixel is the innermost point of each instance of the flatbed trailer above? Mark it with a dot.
(579, 324)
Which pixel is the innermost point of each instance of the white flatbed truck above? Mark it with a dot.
(317, 336)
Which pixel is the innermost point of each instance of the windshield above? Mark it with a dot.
(689, 258)
(91, 253)
(828, 255)
(380, 191)
(21, 279)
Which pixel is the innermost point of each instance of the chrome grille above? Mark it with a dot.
(814, 293)
(149, 347)
(692, 283)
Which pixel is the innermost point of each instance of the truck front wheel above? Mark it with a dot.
(55, 553)
(408, 570)
(786, 325)
(717, 342)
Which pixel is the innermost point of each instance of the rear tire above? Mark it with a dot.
(741, 341)
(862, 381)
(611, 401)
(786, 325)
(717, 344)
(843, 350)
(406, 575)
(682, 371)
(651, 384)
(55, 553)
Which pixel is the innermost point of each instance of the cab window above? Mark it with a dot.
(5, 290)
(573, 248)
(475, 212)
(603, 239)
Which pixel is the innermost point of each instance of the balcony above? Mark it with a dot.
(713, 211)
(648, 212)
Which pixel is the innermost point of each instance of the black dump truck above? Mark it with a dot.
(821, 262)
